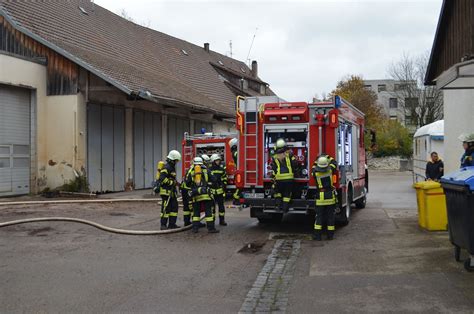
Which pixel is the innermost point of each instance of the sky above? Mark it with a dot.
(303, 48)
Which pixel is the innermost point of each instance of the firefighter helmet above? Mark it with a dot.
(197, 161)
(215, 157)
(280, 143)
(205, 158)
(174, 155)
(467, 138)
(233, 142)
(322, 163)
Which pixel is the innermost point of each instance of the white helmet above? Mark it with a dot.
(174, 155)
(215, 157)
(468, 138)
(197, 161)
(233, 142)
(205, 157)
(280, 143)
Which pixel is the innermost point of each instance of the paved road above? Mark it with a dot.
(380, 262)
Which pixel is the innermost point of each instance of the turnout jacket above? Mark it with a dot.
(467, 158)
(199, 192)
(167, 180)
(218, 178)
(284, 170)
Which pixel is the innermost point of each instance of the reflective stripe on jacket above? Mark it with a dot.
(283, 171)
(200, 192)
(218, 178)
(167, 180)
(324, 188)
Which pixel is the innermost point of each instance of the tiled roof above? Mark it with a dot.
(130, 56)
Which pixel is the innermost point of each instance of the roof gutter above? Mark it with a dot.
(64, 53)
(144, 94)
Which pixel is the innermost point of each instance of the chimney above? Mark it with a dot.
(254, 68)
(206, 47)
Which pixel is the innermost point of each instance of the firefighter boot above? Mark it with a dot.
(211, 228)
(222, 222)
(330, 234)
(317, 236)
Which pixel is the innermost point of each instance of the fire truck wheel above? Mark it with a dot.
(360, 203)
(346, 211)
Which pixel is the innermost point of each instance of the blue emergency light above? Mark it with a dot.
(337, 101)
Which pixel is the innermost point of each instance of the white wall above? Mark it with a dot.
(60, 146)
(458, 119)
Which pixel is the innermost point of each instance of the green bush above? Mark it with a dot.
(393, 139)
(79, 184)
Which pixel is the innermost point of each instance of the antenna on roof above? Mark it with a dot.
(230, 46)
(251, 45)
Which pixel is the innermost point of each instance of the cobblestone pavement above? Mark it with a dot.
(269, 293)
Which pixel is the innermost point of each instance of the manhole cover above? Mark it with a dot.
(289, 236)
(252, 247)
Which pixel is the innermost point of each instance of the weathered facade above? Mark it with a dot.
(84, 92)
(451, 68)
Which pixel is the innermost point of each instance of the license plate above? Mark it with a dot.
(254, 195)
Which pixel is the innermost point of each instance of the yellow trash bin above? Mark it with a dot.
(432, 214)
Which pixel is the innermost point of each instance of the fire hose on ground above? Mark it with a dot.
(91, 223)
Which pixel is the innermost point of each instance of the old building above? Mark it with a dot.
(386, 97)
(84, 92)
(451, 68)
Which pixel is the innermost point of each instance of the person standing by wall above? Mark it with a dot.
(434, 168)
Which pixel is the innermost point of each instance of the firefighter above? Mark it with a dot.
(206, 159)
(218, 177)
(467, 158)
(283, 165)
(198, 182)
(167, 185)
(325, 197)
(234, 150)
(332, 162)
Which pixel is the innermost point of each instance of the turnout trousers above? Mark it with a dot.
(205, 206)
(169, 210)
(283, 193)
(219, 199)
(325, 215)
(187, 207)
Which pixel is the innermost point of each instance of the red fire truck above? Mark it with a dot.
(208, 143)
(335, 128)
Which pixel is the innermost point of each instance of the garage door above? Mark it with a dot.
(147, 147)
(176, 129)
(14, 141)
(105, 148)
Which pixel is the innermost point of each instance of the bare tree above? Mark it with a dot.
(123, 13)
(421, 104)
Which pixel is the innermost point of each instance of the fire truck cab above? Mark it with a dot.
(209, 143)
(335, 128)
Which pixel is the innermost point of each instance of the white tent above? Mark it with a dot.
(427, 139)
